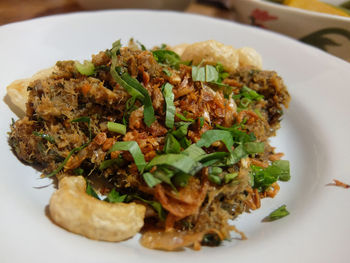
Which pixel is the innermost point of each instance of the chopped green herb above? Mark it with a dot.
(78, 171)
(254, 147)
(134, 150)
(277, 214)
(116, 127)
(237, 154)
(169, 103)
(167, 57)
(91, 191)
(211, 74)
(155, 205)
(194, 151)
(214, 179)
(108, 163)
(229, 177)
(143, 48)
(183, 118)
(59, 168)
(167, 72)
(212, 136)
(181, 162)
(150, 180)
(265, 177)
(181, 179)
(201, 122)
(181, 131)
(115, 197)
(148, 111)
(171, 144)
(84, 119)
(87, 69)
(47, 137)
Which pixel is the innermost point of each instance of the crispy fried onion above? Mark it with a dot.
(183, 203)
(73, 209)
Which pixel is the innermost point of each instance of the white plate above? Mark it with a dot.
(314, 136)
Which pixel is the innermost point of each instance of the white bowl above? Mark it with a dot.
(328, 32)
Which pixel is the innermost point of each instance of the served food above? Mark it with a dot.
(174, 145)
(318, 6)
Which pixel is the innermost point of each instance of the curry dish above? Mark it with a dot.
(174, 140)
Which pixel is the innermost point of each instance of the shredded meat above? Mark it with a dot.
(54, 126)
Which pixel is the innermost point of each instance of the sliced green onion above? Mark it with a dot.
(134, 150)
(116, 127)
(254, 147)
(214, 179)
(229, 177)
(87, 69)
(169, 103)
(245, 102)
(167, 72)
(277, 214)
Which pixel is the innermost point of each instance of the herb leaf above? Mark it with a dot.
(171, 144)
(108, 163)
(212, 136)
(59, 168)
(150, 180)
(263, 178)
(134, 150)
(179, 161)
(155, 205)
(115, 197)
(168, 57)
(45, 136)
(148, 111)
(91, 191)
(169, 102)
(277, 214)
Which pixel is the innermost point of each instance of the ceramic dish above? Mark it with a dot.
(314, 137)
(330, 33)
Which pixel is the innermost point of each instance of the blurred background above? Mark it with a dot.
(324, 24)
(18, 10)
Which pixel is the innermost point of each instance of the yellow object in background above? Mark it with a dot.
(317, 6)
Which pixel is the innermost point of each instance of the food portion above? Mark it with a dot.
(318, 6)
(175, 144)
